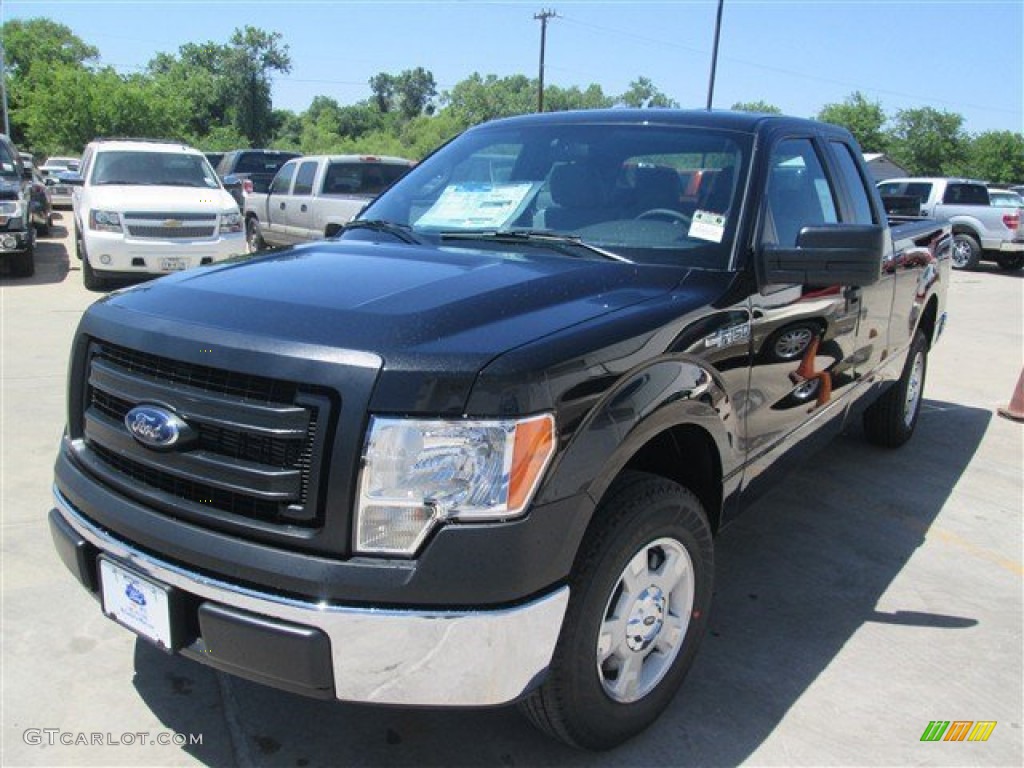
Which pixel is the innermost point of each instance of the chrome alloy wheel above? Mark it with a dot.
(645, 620)
(961, 253)
(914, 382)
(793, 343)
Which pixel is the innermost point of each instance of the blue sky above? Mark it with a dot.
(965, 57)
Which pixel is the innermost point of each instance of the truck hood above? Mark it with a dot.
(117, 197)
(431, 313)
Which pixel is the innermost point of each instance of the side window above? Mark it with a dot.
(966, 194)
(799, 194)
(283, 180)
(854, 183)
(304, 178)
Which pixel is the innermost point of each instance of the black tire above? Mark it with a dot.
(1010, 263)
(641, 516)
(890, 420)
(253, 237)
(23, 264)
(90, 278)
(966, 251)
(44, 229)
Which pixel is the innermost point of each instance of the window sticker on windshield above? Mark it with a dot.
(477, 205)
(708, 225)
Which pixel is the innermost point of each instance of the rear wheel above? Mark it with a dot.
(639, 598)
(891, 419)
(966, 251)
(253, 236)
(1010, 263)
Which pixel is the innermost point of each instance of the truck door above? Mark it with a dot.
(300, 206)
(874, 303)
(802, 336)
(275, 229)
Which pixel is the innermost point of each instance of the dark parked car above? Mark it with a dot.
(41, 206)
(17, 236)
(244, 171)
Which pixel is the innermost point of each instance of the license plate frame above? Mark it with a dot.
(139, 603)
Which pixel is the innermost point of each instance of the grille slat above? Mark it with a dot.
(171, 233)
(254, 451)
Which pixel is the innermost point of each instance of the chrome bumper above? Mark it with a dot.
(387, 656)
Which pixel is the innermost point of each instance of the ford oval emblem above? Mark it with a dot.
(157, 427)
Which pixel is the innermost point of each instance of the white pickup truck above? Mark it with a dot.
(313, 197)
(980, 230)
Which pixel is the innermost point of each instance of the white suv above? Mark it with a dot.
(145, 207)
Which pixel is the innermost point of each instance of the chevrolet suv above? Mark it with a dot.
(145, 207)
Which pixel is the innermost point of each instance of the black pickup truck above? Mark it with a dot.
(475, 450)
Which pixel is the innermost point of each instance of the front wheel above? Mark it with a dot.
(891, 419)
(90, 278)
(639, 598)
(966, 251)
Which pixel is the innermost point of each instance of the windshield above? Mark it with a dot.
(1005, 199)
(163, 169)
(654, 194)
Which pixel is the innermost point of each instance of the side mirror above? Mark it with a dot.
(846, 254)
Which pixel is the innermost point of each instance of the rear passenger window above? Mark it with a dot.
(854, 183)
(304, 179)
(966, 194)
(799, 194)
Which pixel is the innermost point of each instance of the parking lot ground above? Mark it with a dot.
(853, 607)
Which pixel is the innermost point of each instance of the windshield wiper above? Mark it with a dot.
(560, 243)
(402, 231)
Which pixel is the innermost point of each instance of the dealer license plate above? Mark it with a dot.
(136, 602)
(173, 264)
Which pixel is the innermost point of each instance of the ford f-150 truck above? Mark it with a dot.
(314, 197)
(980, 231)
(475, 450)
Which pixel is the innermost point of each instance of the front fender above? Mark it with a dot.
(647, 401)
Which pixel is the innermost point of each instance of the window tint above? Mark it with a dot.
(262, 162)
(854, 183)
(799, 194)
(966, 194)
(919, 189)
(361, 178)
(283, 180)
(304, 178)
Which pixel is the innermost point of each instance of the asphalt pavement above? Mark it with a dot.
(871, 593)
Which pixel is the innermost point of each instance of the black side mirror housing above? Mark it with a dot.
(845, 254)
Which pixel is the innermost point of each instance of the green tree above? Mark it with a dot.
(643, 93)
(997, 156)
(756, 106)
(864, 119)
(558, 99)
(478, 99)
(252, 58)
(34, 51)
(928, 142)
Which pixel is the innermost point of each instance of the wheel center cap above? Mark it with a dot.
(646, 619)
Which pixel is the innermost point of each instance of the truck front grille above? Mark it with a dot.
(171, 226)
(254, 455)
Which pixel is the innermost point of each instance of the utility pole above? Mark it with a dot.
(714, 55)
(543, 17)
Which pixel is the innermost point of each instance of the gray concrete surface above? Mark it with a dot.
(853, 605)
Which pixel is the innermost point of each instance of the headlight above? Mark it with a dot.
(10, 208)
(418, 474)
(105, 221)
(231, 221)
